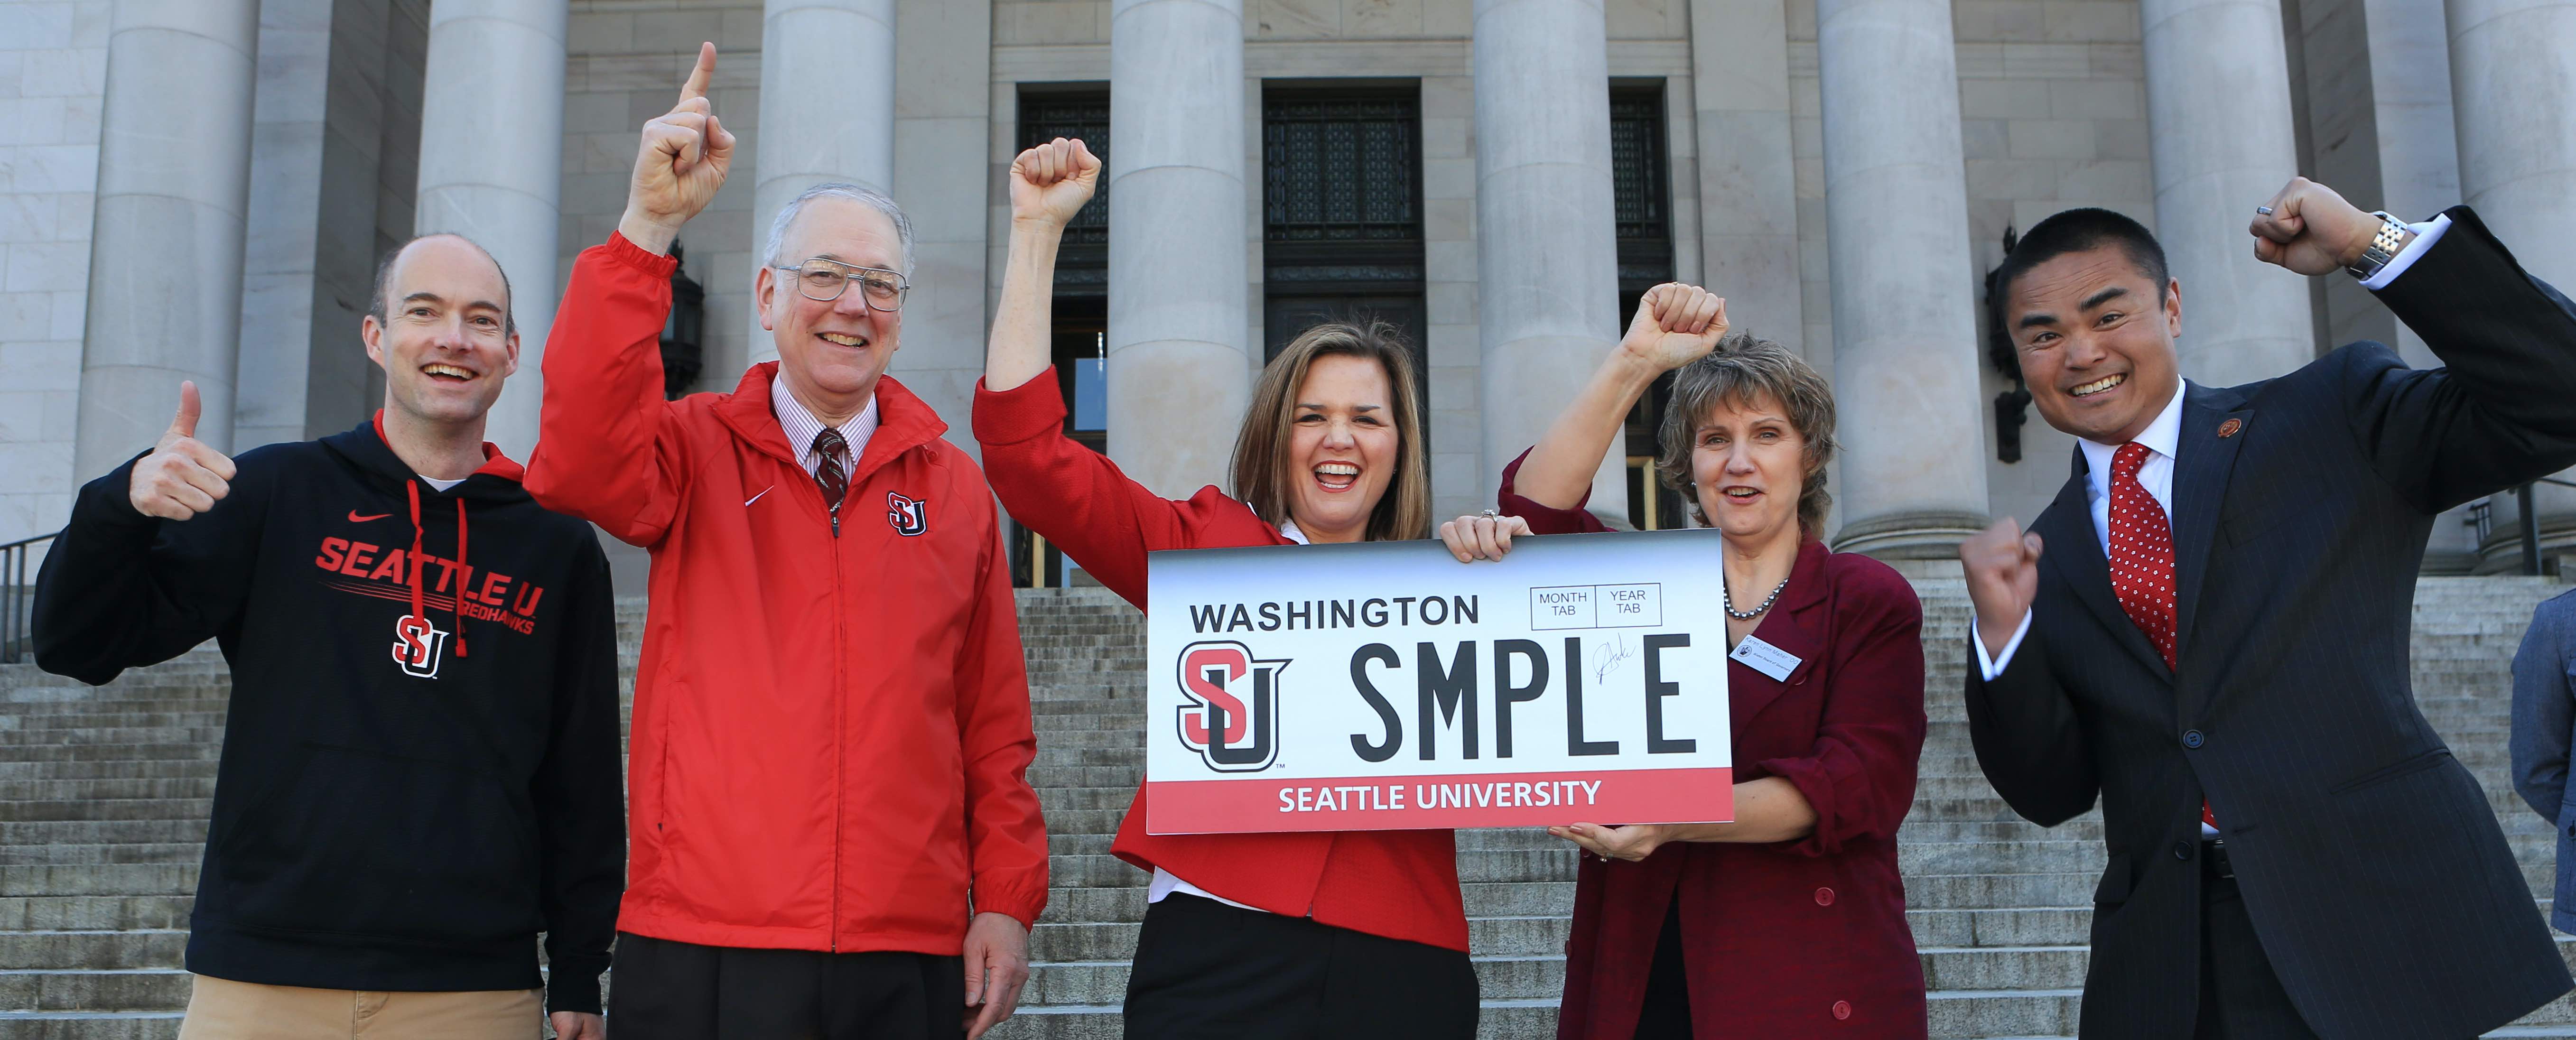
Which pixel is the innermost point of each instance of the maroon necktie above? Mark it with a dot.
(836, 481)
(2142, 559)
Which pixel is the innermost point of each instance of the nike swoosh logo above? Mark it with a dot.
(356, 519)
(756, 498)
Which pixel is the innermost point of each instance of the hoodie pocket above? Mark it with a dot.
(359, 842)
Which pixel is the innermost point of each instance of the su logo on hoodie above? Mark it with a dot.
(418, 643)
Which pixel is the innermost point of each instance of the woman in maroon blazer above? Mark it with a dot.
(1790, 921)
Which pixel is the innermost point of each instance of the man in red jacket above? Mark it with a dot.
(832, 830)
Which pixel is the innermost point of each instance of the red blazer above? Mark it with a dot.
(1397, 884)
(1794, 939)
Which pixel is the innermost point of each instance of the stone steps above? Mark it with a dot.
(104, 793)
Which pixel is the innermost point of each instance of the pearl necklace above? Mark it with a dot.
(1757, 611)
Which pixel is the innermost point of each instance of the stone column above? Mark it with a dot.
(165, 270)
(943, 123)
(1546, 237)
(1178, 369)
(827, 110)
(2219, 121)
(1904, 289)
(2418, 143)
(491, 167)
(1748, 195)
(2513, 92)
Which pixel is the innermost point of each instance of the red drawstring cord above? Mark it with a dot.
(419, 611)
(418, 608)
(461, 569)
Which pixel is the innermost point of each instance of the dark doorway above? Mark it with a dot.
(1641, 199)
(1081, 310)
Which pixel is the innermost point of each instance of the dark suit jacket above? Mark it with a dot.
(2544, 729)
(2374, 871)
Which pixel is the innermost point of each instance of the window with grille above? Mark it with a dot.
(1341, 201)
(1047, 113)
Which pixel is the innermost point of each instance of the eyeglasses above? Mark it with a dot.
(824, 281)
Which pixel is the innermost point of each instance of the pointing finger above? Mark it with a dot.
(696, 87)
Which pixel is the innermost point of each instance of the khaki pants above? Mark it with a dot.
(221, 1009)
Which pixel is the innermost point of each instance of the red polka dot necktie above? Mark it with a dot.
(836, 481)
(2142, 553)
(2142, 559)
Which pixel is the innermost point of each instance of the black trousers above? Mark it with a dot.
(2240, 997)
(1666, 1014)
(1205, 969)
(665, 990)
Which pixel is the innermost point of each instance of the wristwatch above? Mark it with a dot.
(2383, 247)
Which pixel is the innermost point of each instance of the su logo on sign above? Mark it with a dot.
(1231, 719)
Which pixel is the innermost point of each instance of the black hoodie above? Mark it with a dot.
(400, 806)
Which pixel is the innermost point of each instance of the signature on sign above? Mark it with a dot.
(1611, 654)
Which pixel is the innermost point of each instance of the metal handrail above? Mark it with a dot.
(17, 606)
(2527, 524)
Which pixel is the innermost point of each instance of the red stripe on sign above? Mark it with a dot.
(1439, 802)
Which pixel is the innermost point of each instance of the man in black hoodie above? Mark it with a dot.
(420, 767)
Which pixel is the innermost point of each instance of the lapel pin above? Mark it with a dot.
(2229, 428)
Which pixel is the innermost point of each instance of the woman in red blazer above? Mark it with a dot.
(1352, 934)
(1790, 921)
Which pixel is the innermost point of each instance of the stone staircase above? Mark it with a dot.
(104, 795)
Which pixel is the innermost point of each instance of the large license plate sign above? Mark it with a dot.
(1385, 686)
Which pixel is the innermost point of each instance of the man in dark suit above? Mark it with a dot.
(2214, 640)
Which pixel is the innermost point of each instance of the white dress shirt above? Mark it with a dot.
(802, 427)
(2160, 438)
(1165, 882)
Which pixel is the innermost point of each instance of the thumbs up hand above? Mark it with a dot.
(182, 477)
(680, 164)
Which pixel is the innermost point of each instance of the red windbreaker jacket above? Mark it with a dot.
(831, 731)
(1396, 884)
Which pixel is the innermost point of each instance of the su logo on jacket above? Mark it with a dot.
(910, 516)
(1224, 682)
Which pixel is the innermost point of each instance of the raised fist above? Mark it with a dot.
(1049, 183)
(679, 166)
(2002, 563)
(1675, 325)
(182, 477)
(2311, 230)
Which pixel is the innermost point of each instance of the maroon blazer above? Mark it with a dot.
(1804, 938)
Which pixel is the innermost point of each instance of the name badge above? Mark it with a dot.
(1766, 658)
